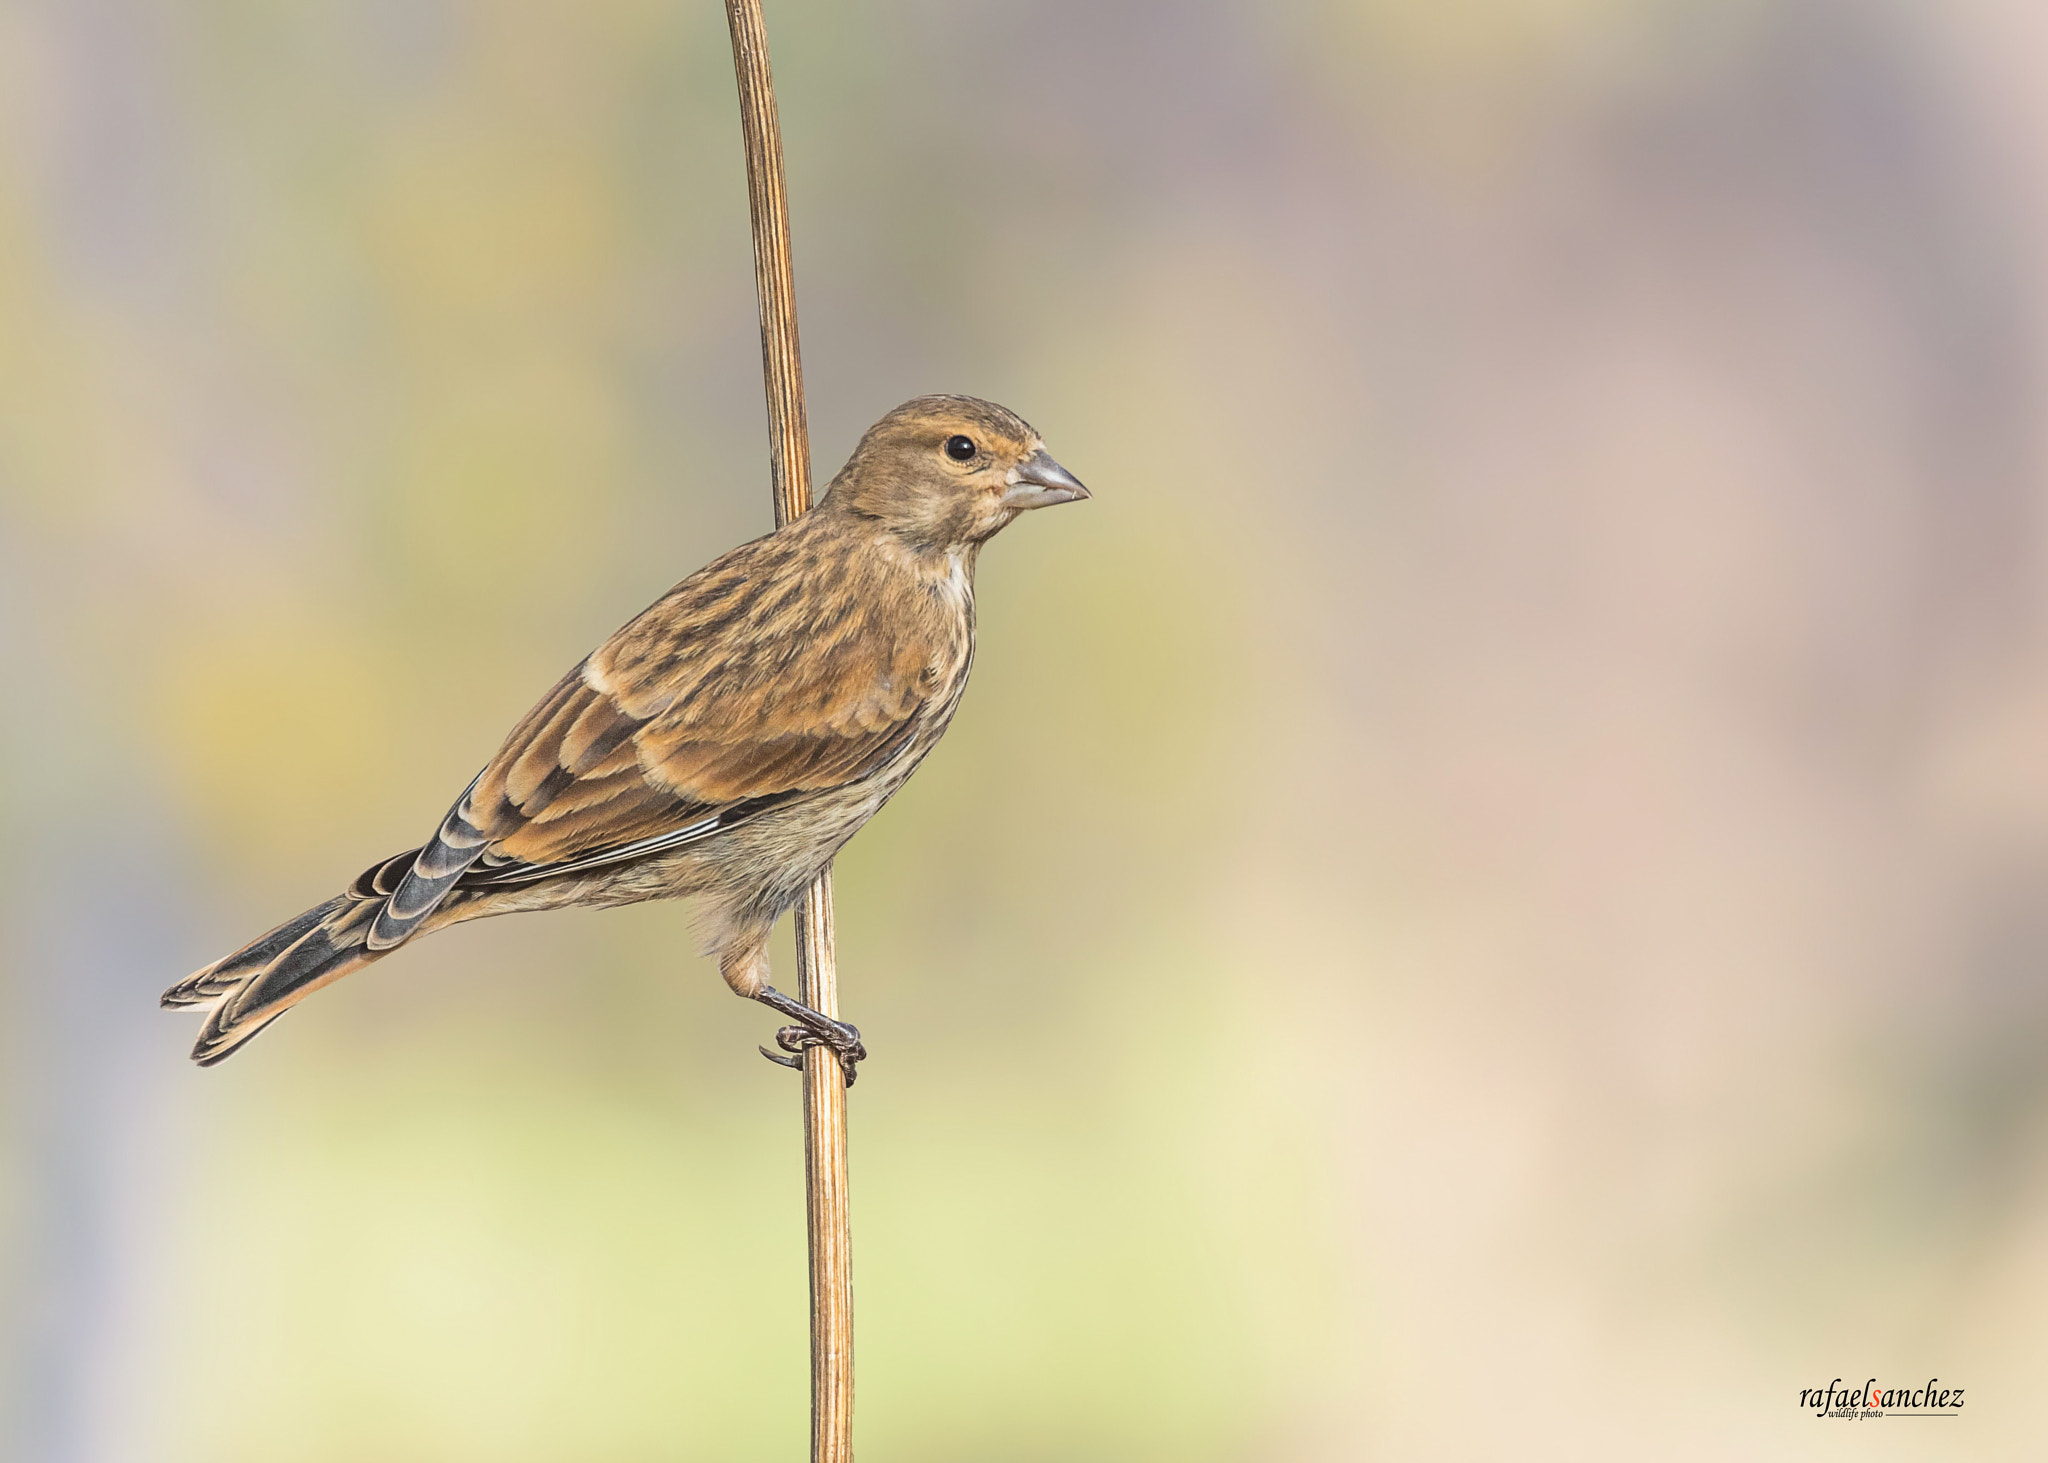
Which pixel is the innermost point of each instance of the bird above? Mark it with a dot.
(721, 746)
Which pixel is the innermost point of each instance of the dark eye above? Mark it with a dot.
(961, 449)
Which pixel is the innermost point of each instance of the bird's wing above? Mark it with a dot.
(742, 689)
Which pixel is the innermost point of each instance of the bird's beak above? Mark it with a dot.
(1039, 482)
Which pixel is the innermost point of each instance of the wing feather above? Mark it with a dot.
(740, 690)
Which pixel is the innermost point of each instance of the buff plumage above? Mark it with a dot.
(722, 745)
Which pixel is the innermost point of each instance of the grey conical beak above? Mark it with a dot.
(1039, 482)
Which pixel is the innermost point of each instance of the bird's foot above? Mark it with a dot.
(811, 1028)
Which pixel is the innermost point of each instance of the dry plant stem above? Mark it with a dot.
(817, 977)
(789, 444)
(825, 1185)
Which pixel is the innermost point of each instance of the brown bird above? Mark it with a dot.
(724, 744)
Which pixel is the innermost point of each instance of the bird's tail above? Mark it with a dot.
(267, 977)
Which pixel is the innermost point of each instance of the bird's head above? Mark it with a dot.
(948, 472)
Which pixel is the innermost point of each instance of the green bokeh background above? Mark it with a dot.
(1485, 900)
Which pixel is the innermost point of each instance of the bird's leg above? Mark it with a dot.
(812, 1028)
(743, 962)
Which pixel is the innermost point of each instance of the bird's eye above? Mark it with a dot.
(961, 449)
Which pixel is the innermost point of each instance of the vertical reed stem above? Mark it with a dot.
(789, 456)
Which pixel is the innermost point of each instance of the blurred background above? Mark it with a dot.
(1486, 900)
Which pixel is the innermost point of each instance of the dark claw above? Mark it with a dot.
(845, 1042)
(812, 1029)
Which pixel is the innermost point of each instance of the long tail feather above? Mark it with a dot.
(330, 949)
(266, 977)
(203, 987)
(260, 982)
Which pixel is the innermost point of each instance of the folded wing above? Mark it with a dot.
(733, 694)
